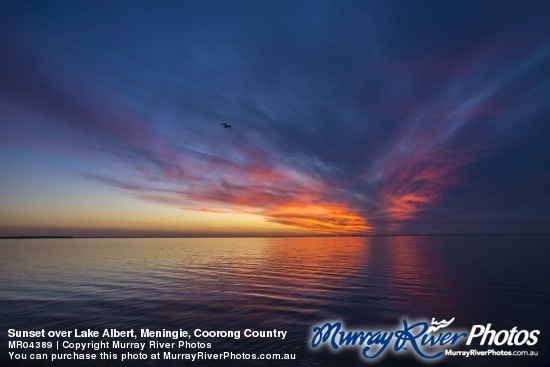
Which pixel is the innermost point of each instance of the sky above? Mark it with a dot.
(347, 117)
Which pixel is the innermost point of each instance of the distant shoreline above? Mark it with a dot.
(32, 237)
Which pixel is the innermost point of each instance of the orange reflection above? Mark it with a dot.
(419, 275)
(306, 268)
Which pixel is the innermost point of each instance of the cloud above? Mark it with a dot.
(338, 124)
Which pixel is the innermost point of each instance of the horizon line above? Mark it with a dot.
(277, 236)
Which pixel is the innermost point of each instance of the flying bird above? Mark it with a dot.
(226, 126)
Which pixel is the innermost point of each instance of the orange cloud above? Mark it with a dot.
(334, 218)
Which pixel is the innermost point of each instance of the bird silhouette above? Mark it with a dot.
(226, 126)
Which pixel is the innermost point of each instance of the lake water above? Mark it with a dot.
(284, 283)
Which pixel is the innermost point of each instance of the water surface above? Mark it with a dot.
(283, 283)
